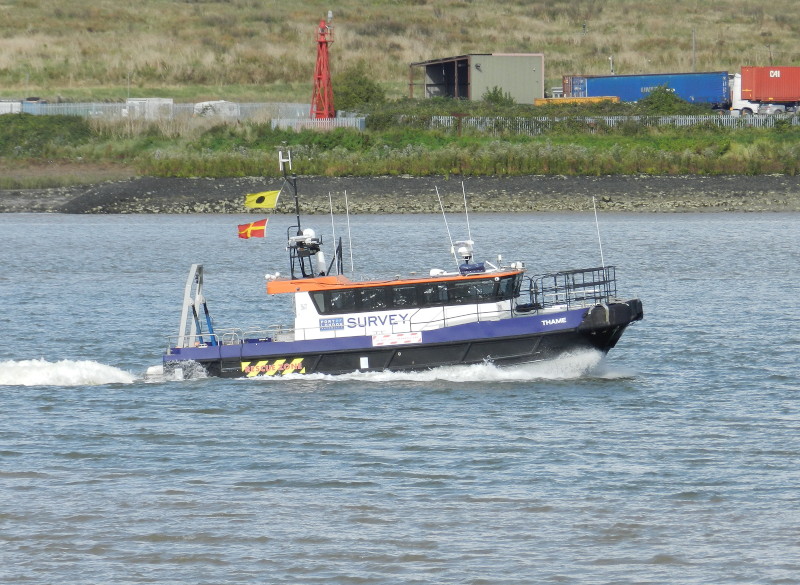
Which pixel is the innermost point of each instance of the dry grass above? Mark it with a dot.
(52, 47)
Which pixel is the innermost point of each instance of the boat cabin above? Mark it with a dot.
(335, 306)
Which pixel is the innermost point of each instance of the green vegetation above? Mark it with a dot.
(355, 88)
(41, 136)
(497, 97)
(398, 140)
(261, 51)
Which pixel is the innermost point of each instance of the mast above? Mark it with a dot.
(292, 182)
(305, 248)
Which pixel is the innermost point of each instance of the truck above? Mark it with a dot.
(711, 88)
(765, 90)
(756, 90)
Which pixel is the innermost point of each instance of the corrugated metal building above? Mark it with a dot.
(521, 75)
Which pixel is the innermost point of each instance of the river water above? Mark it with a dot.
(675, 459)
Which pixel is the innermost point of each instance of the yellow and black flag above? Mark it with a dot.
(263, 200)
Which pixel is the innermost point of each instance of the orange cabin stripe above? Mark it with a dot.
(342, 282)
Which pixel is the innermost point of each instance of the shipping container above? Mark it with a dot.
(771, 84)
(700, 88)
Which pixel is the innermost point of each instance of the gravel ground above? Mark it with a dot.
(418, 194)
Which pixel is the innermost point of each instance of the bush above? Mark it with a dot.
(663, 102)
(354, 88)
(496, 97)
(29, 135)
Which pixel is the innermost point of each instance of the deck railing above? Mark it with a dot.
(573, 288)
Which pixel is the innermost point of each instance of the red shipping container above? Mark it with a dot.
(771, 84)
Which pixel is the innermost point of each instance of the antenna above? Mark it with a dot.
(282, 160)
(333, 225)
(349, 234)
(292, 182)
(597, 226)
(447, 227)
(466, 210)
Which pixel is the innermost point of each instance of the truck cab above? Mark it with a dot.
(743, 107)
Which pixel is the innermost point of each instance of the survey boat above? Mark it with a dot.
(479, 313)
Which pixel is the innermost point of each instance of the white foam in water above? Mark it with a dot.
(63, 373)
(188, 371)
(583, 364)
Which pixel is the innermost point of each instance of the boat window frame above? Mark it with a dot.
(503, 288)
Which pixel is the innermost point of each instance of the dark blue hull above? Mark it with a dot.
(516, 340)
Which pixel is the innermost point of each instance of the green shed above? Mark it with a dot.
(520, 75)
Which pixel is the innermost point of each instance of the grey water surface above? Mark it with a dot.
(675, 459)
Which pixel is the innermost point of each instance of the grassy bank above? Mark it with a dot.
(40, 151)
(254, 50)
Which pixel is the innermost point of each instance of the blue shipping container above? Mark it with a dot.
(699, 88)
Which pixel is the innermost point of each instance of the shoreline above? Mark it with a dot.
(405, 194)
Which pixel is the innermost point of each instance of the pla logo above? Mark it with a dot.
(775, 73)
(265, 368)
(331, 324)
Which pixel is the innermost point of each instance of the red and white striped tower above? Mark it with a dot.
(322, 97)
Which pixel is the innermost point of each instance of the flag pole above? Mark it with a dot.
(293, 183)
(349, 233)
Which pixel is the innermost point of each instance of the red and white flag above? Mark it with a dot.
(256, 229)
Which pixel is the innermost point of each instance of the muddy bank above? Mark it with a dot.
(418, 195)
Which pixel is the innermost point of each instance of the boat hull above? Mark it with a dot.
(517, 340)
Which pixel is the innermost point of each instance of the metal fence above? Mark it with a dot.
(297, 124)
(158, 110)
(293, 116)
(296, 116)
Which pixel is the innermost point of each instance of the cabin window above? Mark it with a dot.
(404, 296)
(462, 293)
(485, 290)
(373, 299)
(434, 293)
(319, 298)
(456, 292)
(509, 287)
(343, 301)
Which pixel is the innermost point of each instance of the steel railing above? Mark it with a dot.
(572, 288)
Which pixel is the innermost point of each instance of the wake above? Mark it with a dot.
(584, 364)
(62, 373)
